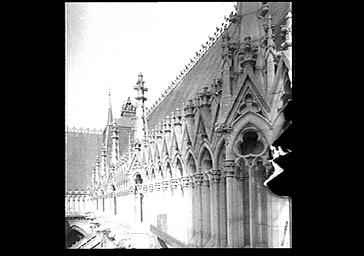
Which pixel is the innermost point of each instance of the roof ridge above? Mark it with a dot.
(198, 56)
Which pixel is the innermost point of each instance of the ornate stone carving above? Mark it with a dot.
(165, 185)
(247, 53)
(157, 186)
(235, 17)
(263, 10)
(204, 97)
(214, 175)
(229, 168)
(198, 179)
(189, 109)
(151, 187)
(286, 31)
(174, 183)
(223, 128)
(185, 181)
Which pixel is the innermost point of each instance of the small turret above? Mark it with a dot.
(140, 121)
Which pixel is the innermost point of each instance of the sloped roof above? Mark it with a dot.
(81, 152)
(207, 69)
(202, 74)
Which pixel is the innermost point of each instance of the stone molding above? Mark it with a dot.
(214, 175)
(229, 168)
(198, 179)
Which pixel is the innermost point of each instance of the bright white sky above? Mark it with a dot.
(108, 44)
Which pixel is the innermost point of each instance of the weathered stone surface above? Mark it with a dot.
(198, 176)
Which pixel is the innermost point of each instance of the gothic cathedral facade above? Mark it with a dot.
(193, 165)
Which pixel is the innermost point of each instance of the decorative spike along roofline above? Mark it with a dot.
(198, 55)
(175, 118)
(83, 130)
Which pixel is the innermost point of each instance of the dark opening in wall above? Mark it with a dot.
(250, 144)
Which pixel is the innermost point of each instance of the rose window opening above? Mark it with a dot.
(250, 143)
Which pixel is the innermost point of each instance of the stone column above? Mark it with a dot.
(77, 204)
(222, 212)
(193, 210)
(137, 215)
(67, 204)
(145, 204)
(261, 191)
(150, 207)
(236, 212)
(80, 204)
(157, 200)
(176, 213)
(83, 204)
(70, 200)
(97, 199)
(101, 204)
(229, 170)
(187, 200)
(110, 198)
(189, 207)
(240, 211)
(206, 212)
(198, 179)
(252, 209)
(214, 176)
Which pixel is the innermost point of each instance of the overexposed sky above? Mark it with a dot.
(108, 44)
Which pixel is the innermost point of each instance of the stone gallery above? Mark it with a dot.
(190, 171)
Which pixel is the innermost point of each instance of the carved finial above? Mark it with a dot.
(140, 76)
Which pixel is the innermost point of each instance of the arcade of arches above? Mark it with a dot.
(197, 173)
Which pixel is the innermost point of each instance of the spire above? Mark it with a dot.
(115, 144)
(141, 122)
(109, 114)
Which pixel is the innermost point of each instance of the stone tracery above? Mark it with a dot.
(207, 190)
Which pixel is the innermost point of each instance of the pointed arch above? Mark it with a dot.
(190, 163)
(153, 175)
(219, 154)
(252, 120)
(165, 151)
(159, 172)
(200, 128)
(248, 86)
(186, 140)
(206, 147)
(168, 173)
(156, 153)
(178, 164)
(175, 147)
